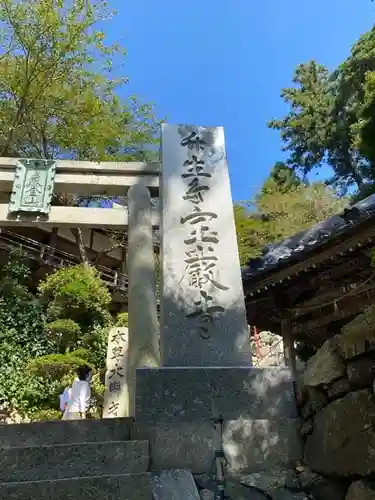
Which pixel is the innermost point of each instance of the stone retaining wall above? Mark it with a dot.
(337, 406)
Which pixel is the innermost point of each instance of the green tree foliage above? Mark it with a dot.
(76, 293)
(122, 320)
(331, 119)
(252, 232)
(55, 366)
(298, 208)
(22, 337)
(65, 333)
(58, 95)
(307, 127)
(283, 206)
(77, 302)
(282, 178)
(364, 129)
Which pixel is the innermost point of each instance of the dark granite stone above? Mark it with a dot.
(62, 432)
(175, 484)
(122, 487)
(307, 427)
(339, 388)
(176, 445)
(34, 463)
(317, 399)
(250, 445)
(199, 393)
(361, 372)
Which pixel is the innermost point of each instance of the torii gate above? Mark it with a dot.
(33, 182)
(29, 184)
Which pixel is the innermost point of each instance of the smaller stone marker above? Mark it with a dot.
(116, 396)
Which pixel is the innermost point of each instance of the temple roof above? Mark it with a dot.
(318, 279)
(299, 245)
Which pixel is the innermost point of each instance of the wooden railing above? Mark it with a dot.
(56, 258)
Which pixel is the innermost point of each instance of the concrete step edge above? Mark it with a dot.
(75, 478)
(77, 423)
(68, 445)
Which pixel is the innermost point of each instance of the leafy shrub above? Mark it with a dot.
(21, 390)
(38, 359)
(21, 315)
(55, 365)
(96, 342)
(122, 320)
(78, 293)
(97, 397)
(65, 333)
(46, 414)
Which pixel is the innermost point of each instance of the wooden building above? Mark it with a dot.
(311, 284)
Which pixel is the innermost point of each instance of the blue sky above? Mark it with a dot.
(223, 62)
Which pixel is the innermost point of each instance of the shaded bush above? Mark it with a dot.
(77, 293)
(46, 414)
(65, 333)
(122, 320)
(55, 365)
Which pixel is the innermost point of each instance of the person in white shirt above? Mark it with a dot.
(64, 398)
(80, 395)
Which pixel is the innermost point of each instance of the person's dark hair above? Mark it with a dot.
(83, 372)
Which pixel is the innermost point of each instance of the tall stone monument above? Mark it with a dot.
(202, 310)
(204, 341)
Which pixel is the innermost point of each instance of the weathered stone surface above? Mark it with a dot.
(63, 431)
(36, 463)
(339, 388)
(287, 495)
(360, 372)
(352, 344)
(306, 411)
(358, 336)
(262, 445)
(176, 484)
(267, 480)
(361, 490)
(316, 400)
(238, 491)
(324, 367)
(202, 312)
(307, 427)
(112, 487)
(343, 441)
(322, 488)
(250, 446)
(201, 393)
(292, 480)
(187, 445)
(207, 495)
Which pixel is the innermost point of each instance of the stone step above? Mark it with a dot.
(36, 463)
(62, 431)
(113, 487)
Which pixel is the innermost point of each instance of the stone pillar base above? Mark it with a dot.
(175, 407)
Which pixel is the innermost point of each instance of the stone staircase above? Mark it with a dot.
(78, 460)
